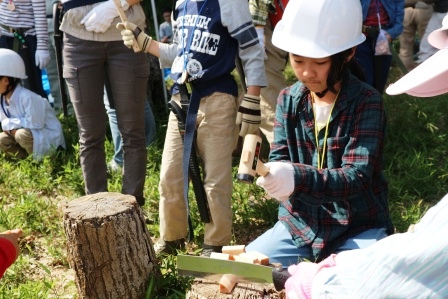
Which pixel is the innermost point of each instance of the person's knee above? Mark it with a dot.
(24, 138)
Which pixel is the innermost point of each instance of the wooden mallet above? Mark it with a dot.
(250, 164)
(123, 18)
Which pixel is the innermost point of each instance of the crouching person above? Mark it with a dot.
(29, 124)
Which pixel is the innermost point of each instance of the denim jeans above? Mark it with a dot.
(277, 244)
(376, 67)
(150, 129)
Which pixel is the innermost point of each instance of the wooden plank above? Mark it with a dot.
(206, 289)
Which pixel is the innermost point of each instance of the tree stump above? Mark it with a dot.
(206, 289)
(109, 246)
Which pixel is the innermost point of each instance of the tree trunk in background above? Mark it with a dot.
(109, 246)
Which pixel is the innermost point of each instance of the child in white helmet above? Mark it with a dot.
(23, 28)
(29, 124)
(326, 161)
(407, 265)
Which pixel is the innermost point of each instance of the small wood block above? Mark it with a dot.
(234, 249)
(220, 256)
(261, 258)
(245, 258)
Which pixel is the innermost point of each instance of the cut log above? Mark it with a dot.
(109, 246)
(206, 289)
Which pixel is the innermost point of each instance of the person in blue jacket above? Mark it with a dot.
(384, 19)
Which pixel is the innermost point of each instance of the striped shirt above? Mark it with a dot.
(27, 14)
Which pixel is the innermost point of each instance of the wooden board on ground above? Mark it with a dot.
(206, 289)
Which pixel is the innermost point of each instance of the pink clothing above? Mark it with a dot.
(7, 255)
(300, 283)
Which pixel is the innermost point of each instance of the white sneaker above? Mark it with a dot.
(114, 166)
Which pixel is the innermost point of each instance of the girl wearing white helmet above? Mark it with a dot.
(29, 124)
(327, 156)
(403, 265)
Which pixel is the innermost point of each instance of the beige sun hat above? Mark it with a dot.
(430, 78)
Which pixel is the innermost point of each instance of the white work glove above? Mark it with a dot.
(42, 58)
(101, 16)
(279, 183)
(262, 39)
(130, 32)
(249, 115)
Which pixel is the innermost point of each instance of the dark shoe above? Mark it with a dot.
(208, 249)
(169, 247)
(140, 200)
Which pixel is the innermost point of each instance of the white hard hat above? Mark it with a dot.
(11, 64)
(319, 28)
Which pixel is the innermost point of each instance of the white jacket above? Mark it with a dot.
(408, 265)
(31, 111)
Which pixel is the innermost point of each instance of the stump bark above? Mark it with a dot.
(206, 289)
(109, 246)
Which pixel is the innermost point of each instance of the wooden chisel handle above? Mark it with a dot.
(124, 19)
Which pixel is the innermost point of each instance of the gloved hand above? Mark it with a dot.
(262, 39)
(279, 183)
(130, 32)
(101, 16)
(249, 115)
(42, 58)
(302, 275)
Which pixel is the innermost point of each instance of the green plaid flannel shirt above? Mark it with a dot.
(259, 9)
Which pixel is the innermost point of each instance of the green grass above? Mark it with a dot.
(31, 195)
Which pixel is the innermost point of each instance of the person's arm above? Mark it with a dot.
(259, 10)
(300, 284)
(101, 16)
(249, 50)
(42, 54)
(34, 117)
(397, 27)
(236, 17)
(9, 249)
(130, 31)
